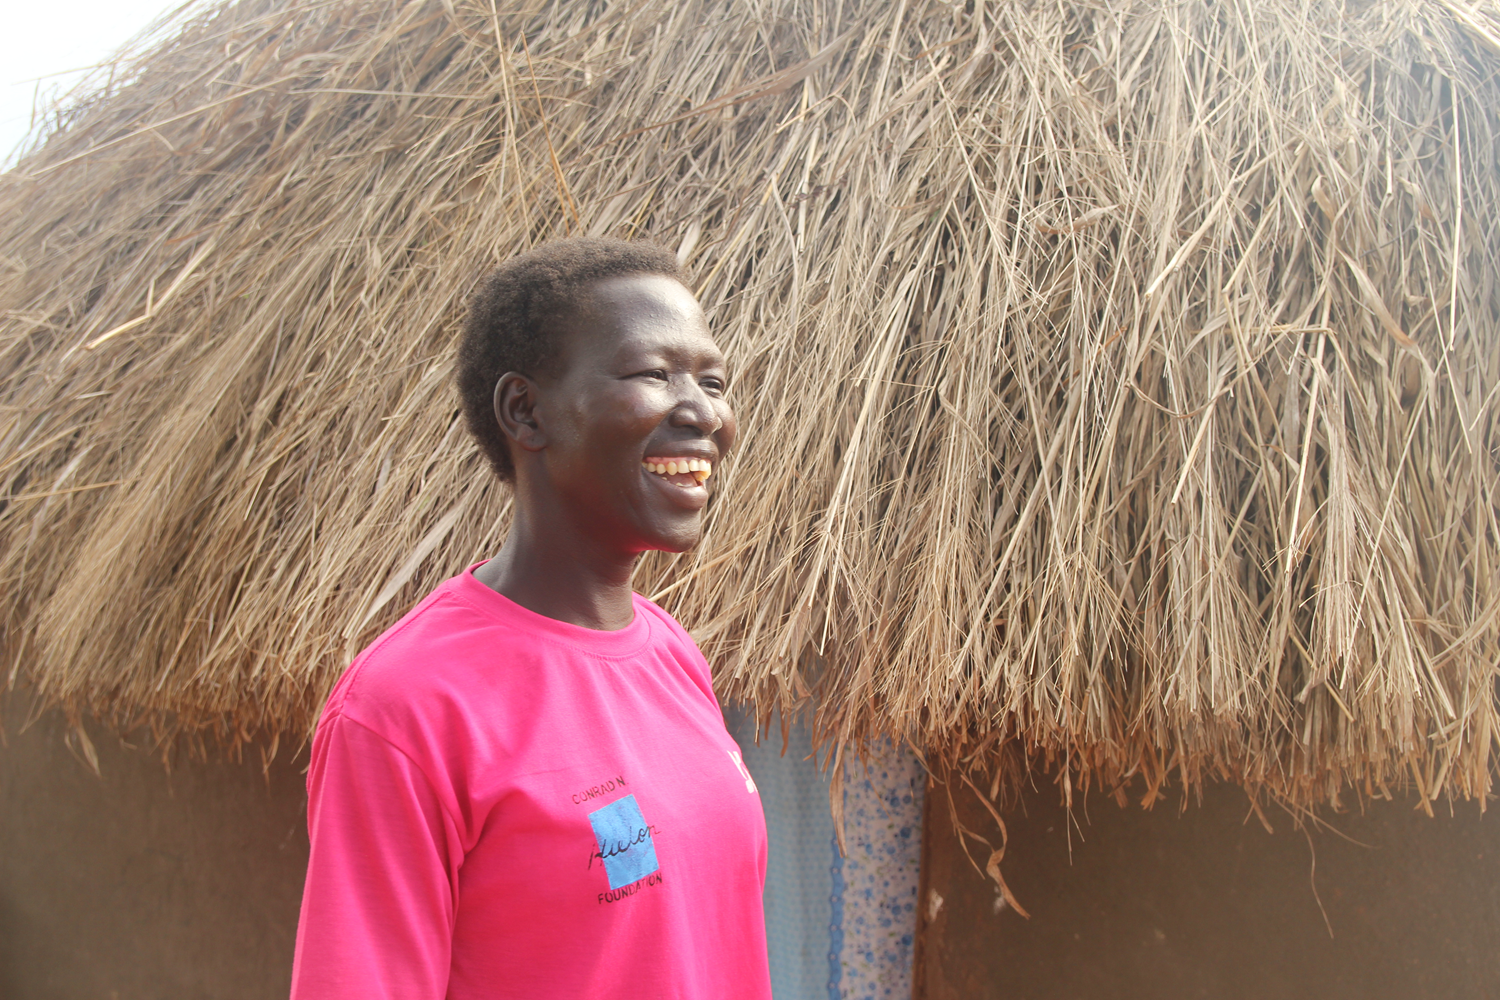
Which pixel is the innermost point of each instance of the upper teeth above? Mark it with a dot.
(700, 468)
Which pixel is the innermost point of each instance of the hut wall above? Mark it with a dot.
(144, 882)
(139, 883)
(1206, 903)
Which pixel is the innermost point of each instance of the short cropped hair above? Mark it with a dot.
(517, 311)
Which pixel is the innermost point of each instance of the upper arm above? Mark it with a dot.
(379, 903)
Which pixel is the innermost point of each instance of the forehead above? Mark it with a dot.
(637, 314)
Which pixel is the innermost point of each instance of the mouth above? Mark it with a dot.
(682, 472)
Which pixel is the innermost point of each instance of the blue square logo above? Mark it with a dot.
(625, 842)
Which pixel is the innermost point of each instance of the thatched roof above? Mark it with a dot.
(1117, 380)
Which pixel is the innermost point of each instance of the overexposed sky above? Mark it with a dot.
(40, 38)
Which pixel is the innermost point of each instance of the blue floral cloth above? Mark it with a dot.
(837, 926)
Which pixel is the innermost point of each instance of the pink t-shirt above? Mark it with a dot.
(505, 805)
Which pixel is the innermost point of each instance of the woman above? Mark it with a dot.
(524, 788)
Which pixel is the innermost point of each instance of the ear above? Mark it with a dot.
(515, 411)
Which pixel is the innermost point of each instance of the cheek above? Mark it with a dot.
(625, 419)
(637, 419)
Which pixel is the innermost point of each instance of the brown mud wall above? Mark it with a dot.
(1205, 903)
(140, 884)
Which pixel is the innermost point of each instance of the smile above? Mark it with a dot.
(680, 471)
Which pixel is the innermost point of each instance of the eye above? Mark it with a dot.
(655, 375)
(712, 384)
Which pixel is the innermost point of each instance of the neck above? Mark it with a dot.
(560, 574)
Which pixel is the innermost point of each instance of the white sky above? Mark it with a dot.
(39, 38)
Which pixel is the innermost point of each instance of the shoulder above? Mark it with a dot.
(644, 605)
(671, 638)
(664, 626)
(418, 675)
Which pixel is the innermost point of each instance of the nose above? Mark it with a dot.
(695, 408)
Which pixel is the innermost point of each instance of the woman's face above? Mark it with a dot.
(639, 392)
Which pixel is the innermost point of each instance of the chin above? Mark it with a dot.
(682, 539)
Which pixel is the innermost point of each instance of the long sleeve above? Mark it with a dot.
(379, 903)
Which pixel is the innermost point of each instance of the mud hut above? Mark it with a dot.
(1118, 379)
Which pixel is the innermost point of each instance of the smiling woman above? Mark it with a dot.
(452, 853)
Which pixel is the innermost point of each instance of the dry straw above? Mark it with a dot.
(1118, 380)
